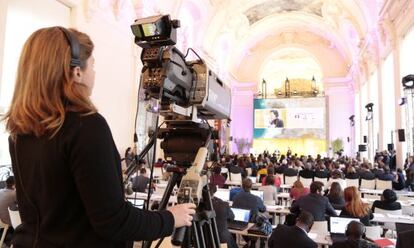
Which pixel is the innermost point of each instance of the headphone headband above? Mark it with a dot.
(74, 47)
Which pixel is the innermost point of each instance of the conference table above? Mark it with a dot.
(379, 192)
(393, 218)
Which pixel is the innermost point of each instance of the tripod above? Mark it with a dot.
(186, 143)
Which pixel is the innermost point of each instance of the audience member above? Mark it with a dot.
(7, 199)
(246, 200)
(217, 179)
(365, 173)
(351, 173)
(388, 201)
(271, 172)
(399, 183)
(386, 175)
(354, 207)
(298, 190)
(307, 172)
(293, 236)
(355, 237)
(223, 214)
(140, 183)
(269, 190)
(315, 203)
(336, 196)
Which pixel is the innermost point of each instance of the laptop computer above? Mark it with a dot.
(241, 219)
(337, 227)
(253, 179)
(223, 195)
(257, 193)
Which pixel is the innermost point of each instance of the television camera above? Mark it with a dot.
(187, 94)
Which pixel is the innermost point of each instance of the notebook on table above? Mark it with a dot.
(337, 227)
(241, 219)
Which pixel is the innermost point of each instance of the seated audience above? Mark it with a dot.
(321, 171)
(355, 208)
(307, 172)
(355, 237)
(293, 236)
(217, 179)
(7, 199)
(351, 173)
(365, 173)
(409, 183)
(336, 196)
(399, 183)
(290, 171)
(298, 190)
(246, 200)
(271, 172)
(140, 183)
(223, 214)
(269, 190)
(386, 175)
(315, 203)
(388, 201)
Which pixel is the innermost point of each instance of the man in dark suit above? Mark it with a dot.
(387, 175)
(246, 200)
(293, 236)
(223, 214)
(315, 203)
(355, 233)
(140, 183)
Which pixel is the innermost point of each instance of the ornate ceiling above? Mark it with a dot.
(241, 37)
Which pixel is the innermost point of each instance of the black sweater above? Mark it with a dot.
(72, 183)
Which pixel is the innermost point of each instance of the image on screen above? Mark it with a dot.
(223, 195)
(241, 214)
(150, 29)
(289, 118)
(338, 224)
(257, 193)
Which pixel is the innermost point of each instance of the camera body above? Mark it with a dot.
(185, 89)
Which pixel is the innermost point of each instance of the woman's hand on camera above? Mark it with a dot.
(182, 214)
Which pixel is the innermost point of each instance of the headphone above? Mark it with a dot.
(74, 47)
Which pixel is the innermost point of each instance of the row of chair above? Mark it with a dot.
(364, 184)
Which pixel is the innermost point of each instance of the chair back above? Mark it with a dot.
(367, 184)
(373, 232)
(249, 171)
(14, 218)
(383, 211)
(5, 228)
(320, 227)
(306, 181)
(235, 177)
(290, 180)
(352, 182)
(381, 184)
